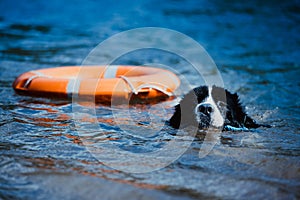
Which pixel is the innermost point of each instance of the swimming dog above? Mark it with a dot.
(212, 107)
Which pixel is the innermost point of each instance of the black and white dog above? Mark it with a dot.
(206, 107)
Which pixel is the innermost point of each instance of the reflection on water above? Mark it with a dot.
(256, 47)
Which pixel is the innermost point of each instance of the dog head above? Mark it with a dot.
(211, 107)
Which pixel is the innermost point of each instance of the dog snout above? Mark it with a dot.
(205, 108)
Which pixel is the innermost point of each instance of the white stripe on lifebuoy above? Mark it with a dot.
(110, 71)
(73, 87)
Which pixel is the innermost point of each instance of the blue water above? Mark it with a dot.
(255, 45)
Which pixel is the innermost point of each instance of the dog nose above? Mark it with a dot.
(205, 108)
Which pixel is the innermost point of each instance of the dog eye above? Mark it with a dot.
(222, 107)
(222, 104)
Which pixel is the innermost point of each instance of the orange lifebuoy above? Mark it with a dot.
(101, 82)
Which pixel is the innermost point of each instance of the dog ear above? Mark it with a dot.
(184, 114)
(241, 116)
(236, 114)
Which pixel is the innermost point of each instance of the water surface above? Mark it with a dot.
(255, 45)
